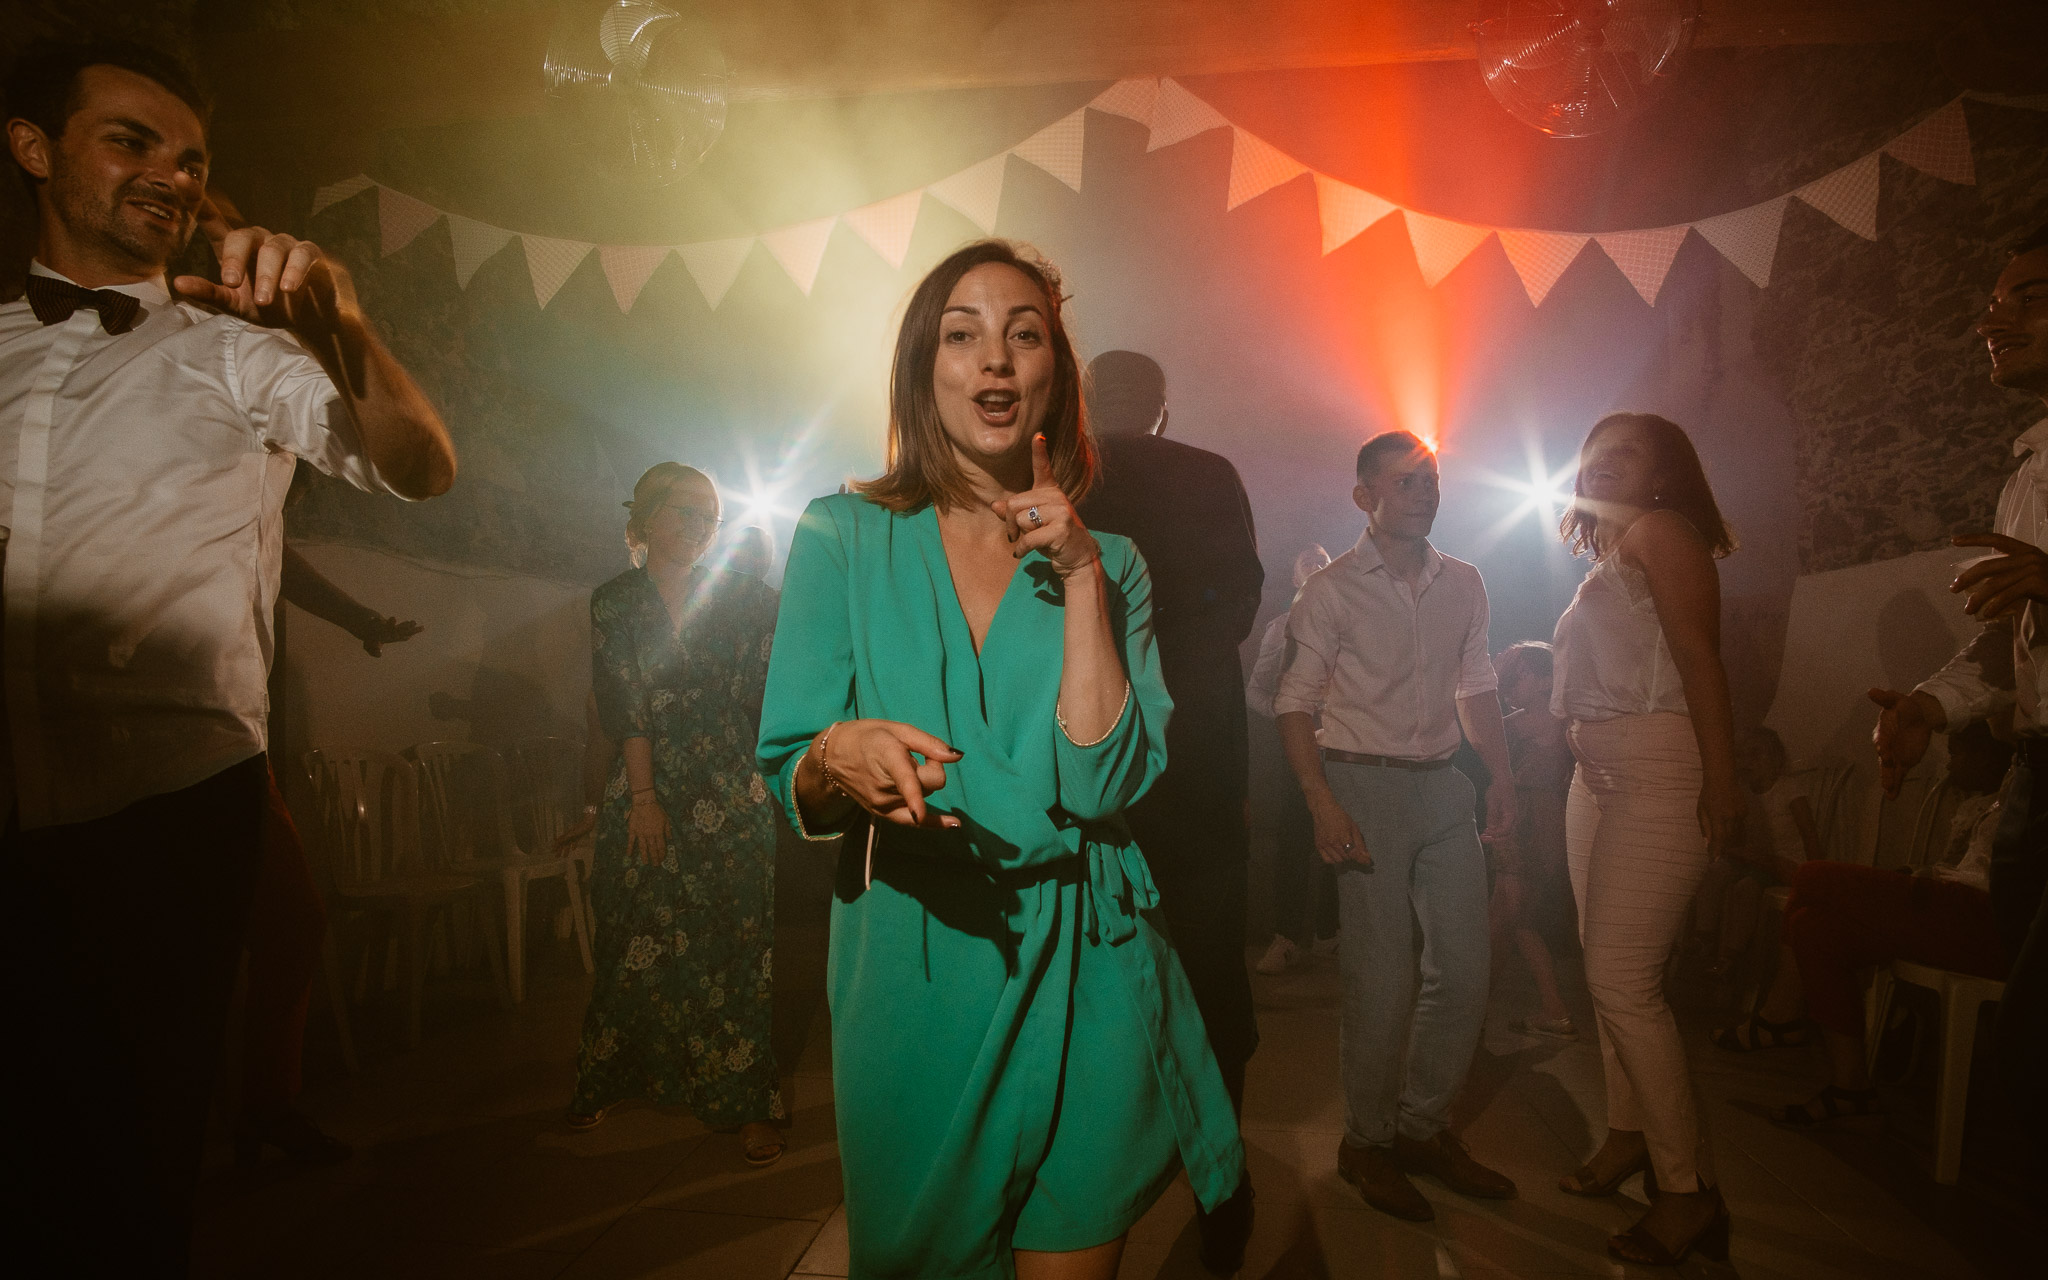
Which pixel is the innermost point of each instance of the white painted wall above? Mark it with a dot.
(1889, 624)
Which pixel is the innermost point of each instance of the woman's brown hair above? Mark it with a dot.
(1682, 485)
(922, 470)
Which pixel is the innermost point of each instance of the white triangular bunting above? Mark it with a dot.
(627, 267)
(1346, 210)
(1644, 256)
(1540, 257)
(1131, 99)
(1747, 237)
(715, 264)
(800, 249)
(1848, 195)
(976, 192)
(336, 192)
(400, 218)
(1058, 148)
(1440, 244)
(1178, 115)
(887, 224)
(1256, 167)
(1939, 145)
(473, 242)
(551, 262)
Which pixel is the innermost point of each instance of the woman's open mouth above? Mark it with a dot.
(997, 408)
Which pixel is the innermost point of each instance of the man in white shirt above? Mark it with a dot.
(1389, 646)
(2005, 668)
(146, 444)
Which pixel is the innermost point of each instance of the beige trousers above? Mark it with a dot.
(1633, 840)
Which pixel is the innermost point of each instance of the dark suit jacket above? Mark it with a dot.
(1186, 509)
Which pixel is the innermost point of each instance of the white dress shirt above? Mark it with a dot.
(142, 484)
(1384, 661)
(2005, 665)
(1264, 683)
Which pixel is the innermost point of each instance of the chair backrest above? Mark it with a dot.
(366, 815)
(1834, 817)
(546, 789)
(462, 802)
(1932, 823)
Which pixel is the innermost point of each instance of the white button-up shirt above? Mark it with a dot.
(2006, 665)
(1385, 661)
(142, 484)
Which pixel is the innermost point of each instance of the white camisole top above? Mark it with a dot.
(1611, 658)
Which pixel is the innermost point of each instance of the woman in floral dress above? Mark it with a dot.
(683, 885)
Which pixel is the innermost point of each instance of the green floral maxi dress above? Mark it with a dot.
(681, 1011)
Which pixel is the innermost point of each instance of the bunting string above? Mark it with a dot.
(1937, 145)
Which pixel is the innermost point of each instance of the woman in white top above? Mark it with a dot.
(1655, 798)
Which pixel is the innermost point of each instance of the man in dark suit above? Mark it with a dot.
(1186, 509)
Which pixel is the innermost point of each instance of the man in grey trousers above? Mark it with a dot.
(1388, 646)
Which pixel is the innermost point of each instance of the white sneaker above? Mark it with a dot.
(1281, 956)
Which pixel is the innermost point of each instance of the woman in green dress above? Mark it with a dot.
(965, 685)
(683, 886)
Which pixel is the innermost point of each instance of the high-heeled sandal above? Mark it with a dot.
(1582, 1184)
(1758, 1032)
(1835, 1104)
(1640, 1247)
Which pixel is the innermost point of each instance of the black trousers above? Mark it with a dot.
(2019, 901)
(120, 950)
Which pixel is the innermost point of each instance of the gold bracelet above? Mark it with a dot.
(825, 763)
(1060, 716)
(796, 806)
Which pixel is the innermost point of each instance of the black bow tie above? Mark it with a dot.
(55, 300)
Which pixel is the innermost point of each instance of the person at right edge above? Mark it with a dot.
(1655, 799)
(1389, 646)
(1186, 510)
(2005, 668)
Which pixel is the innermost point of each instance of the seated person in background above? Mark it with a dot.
(1778, 835)
(1531, 885)
(1844, 919)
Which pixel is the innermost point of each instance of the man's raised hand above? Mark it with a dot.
(2002, 584)
(275, 280)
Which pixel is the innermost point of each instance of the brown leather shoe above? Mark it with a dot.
(1445, 1159)
(1373, 1172)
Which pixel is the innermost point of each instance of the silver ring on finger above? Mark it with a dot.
(1035, 519)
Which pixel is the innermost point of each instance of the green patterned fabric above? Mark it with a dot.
(680, 1014)
(1017, 1059)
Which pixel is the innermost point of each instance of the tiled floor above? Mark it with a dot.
(465, 1169)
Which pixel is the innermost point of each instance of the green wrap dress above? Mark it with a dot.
(1017, 1059)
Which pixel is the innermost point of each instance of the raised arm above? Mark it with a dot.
(281, 282)
(1686, 588)
(309, 589)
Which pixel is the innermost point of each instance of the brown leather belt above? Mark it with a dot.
(1385, 762)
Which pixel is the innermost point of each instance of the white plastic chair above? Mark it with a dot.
(1962, 998)
(546, 777)
(464, 803)
(366, 829)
